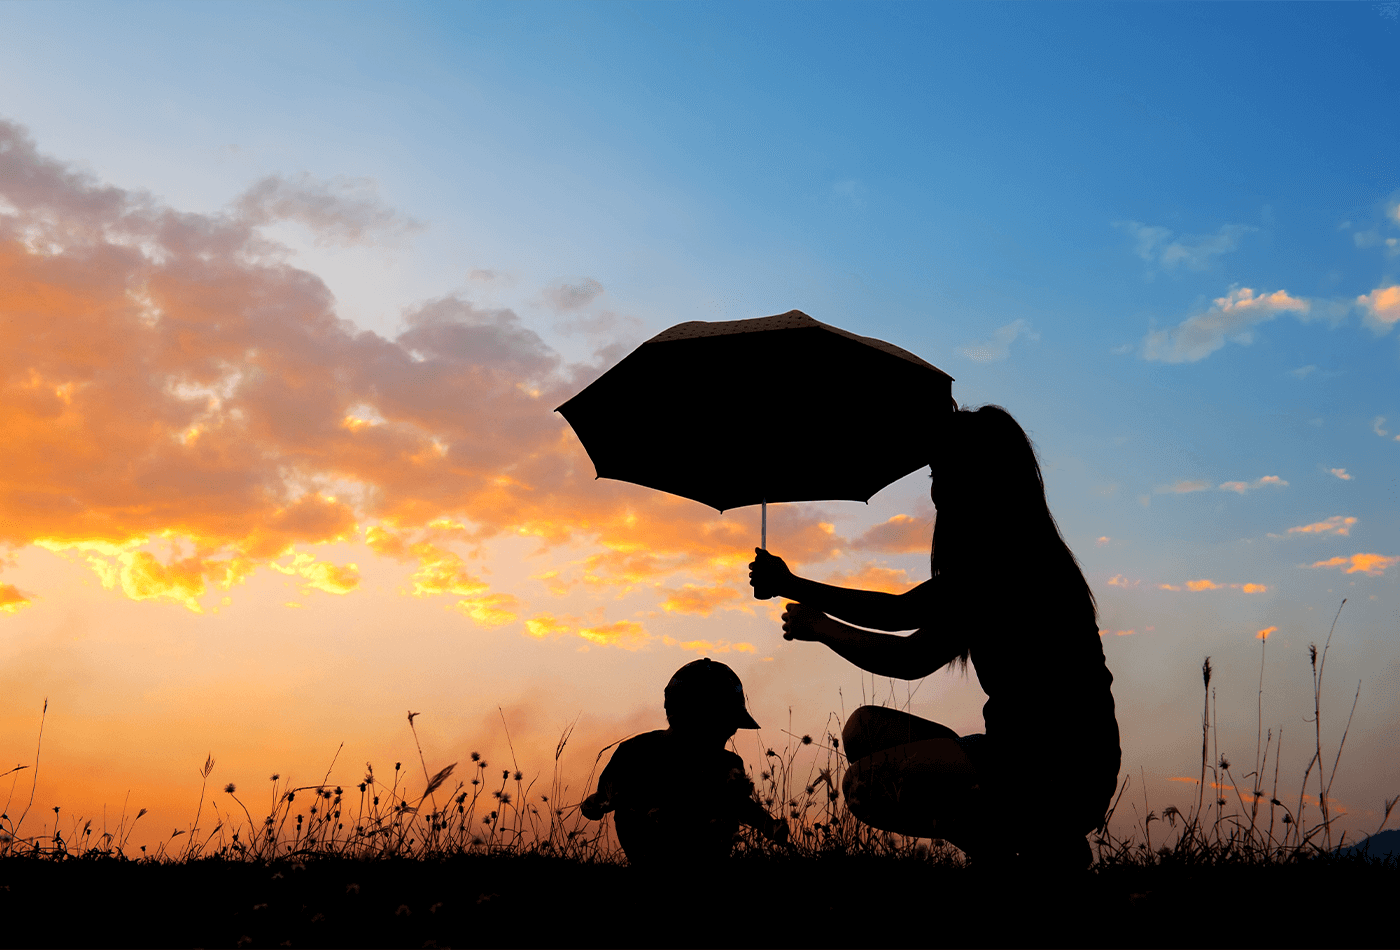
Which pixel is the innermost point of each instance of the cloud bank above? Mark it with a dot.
(169, 377)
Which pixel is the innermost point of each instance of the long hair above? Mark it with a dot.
(995, 535)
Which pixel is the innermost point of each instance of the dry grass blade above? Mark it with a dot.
(436, 781)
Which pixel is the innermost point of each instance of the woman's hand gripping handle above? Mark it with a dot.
(769, 575)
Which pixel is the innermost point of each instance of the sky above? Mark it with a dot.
(289, 294)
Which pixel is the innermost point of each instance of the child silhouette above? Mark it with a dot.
(678, 794)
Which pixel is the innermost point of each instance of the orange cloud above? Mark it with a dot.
(707, 646)
(1207, 584)
(627, 634)
(545, 625)
(491, 610)
(1333, 525)
(1242, 487)
(1372, 564)
(1182, 487)
(169, 375)
(1264, 634)
(1382, 308)
(11, 599)
(142, 577)
(702, 600)
(442, 572)
(1118, 580)
(1232, 317)
(321, 575)
(899, 535)
(871, 576)
(1341, 473)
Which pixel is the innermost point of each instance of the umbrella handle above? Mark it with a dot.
(763, 531)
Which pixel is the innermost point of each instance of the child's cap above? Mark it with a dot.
(709, 688)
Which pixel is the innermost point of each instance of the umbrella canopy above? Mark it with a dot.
(781, 408)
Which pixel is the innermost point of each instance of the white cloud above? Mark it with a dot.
(999, 346)
(565, 296)
(1376, 424)
(344, 211)
(1156, 244)
(1231, 317)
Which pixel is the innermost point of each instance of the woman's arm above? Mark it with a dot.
(907, 657)
(771, 577)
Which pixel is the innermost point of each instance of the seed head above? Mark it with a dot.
(230, 788)
(806, 740)
(519, 775)
(1224, 763)
(275, 776)
(476, 756)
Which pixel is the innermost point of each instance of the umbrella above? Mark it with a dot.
(744, 412)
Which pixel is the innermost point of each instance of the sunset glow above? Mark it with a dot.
(288, 301)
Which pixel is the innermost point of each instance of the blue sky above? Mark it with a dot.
(1161, 235)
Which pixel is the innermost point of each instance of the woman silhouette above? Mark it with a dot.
(1006, 594)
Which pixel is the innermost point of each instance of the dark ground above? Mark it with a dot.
(475, 901)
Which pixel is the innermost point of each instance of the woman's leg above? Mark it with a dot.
(871, 728)
(908, 775)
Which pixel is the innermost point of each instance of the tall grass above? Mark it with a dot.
(477, 812)
(1244, 830)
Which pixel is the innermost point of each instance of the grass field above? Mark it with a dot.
(480, 858)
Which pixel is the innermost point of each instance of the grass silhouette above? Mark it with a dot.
(482, 856)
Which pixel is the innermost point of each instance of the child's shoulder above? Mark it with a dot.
(645, 745)
(644, 740)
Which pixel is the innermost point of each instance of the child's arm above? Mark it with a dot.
(756, 816)
(601, 802)
(597, 805)
(749, 810)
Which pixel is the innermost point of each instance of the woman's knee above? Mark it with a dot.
(857, 727)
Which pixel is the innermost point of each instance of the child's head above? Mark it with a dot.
(705, 696)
